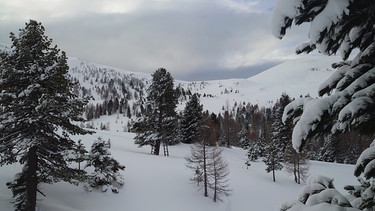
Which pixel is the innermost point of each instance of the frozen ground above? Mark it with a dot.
(162, 183)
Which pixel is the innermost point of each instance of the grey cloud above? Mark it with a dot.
(186, 37)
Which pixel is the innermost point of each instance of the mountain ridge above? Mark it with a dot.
(297, 77)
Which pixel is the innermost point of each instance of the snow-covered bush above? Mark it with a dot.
(106, 173)
(319, 194)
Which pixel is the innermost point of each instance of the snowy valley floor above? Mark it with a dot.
(163, 183)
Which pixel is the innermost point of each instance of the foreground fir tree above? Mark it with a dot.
(191, 119)
(37, 109)
(106, 173)
(159, 122)
(347, 98)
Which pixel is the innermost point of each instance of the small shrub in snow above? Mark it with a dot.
(106, 173)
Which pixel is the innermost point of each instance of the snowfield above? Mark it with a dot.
(163, 183)
(296, 77)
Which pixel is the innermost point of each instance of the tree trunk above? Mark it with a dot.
(31, 179)
(298, 169)
(157, 147)
(295, 167)
(205, 170)
(215, 188)
(273, 175)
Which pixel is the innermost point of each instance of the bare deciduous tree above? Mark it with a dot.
(218, 173)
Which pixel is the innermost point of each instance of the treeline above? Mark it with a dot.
(241, 124)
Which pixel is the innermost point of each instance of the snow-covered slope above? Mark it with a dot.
(163, 183)
(297, 77)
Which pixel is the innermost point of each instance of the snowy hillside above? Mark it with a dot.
(296, 77)
(162, 183)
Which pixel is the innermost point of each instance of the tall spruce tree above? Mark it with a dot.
(281, 133)
(37, 109)
(159, 122)
(191, 120)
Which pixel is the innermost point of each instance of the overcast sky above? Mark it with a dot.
(192, 39)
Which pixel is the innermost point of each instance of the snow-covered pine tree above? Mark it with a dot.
(327, 153)
(243, 137)
(347, 97)
(191, 120)
(37, 108)
(255, 151)
(272, 159)
(159, 122)
(106, 173)
(281, 133)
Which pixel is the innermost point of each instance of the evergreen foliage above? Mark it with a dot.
(255, 151)
(319, 193)
(243, 137)
(37, 108)
(328, 151)
(106, 173)
(281, 133)
(191, 120)
(272, 159)
(347, 97)
(159, 122)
